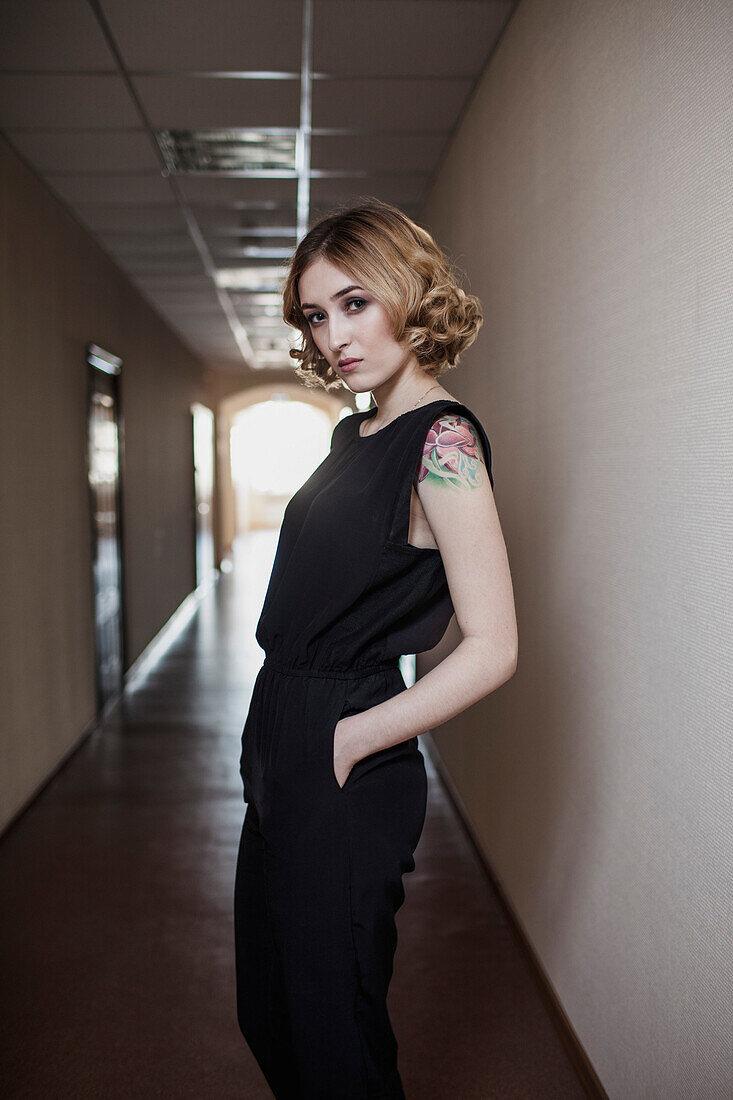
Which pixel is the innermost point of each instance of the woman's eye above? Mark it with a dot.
(358, 302)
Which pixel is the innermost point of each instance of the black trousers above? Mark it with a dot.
(318, 884)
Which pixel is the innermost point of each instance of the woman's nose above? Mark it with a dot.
(337, 338)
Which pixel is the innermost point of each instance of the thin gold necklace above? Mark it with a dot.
(434, 386)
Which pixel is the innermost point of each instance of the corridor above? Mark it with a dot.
(526, 204)
(116, 906)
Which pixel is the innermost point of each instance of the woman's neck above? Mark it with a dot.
(405, 396)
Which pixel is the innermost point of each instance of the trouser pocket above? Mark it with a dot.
(341, 707)
(357, 695)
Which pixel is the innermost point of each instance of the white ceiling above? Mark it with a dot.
(84, 86)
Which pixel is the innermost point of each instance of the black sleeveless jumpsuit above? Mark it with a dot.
(319, 869)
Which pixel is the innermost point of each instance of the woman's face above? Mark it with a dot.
(347, 323)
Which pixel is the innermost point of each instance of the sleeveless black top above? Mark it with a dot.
(347, 590)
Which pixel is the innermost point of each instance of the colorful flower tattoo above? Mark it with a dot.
(452, 454)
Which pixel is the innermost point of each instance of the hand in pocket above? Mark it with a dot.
(343, 758)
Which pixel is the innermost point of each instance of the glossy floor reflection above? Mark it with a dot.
(116, 908)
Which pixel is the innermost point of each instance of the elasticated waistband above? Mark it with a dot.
(329, 673)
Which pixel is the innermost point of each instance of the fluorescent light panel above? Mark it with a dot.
(257, 252)
(262, 279)
(225, 152)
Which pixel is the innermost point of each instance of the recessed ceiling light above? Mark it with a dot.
(274, 358)
(257, 252)
(228, 152)
(263, 279)
(263, 300)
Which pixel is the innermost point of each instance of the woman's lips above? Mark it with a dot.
(349, 366)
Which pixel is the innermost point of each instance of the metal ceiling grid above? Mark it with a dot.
(373, 89)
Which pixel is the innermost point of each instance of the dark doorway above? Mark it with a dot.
(103, 465)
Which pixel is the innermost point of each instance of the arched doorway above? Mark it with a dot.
(274, 446)
(269, 440)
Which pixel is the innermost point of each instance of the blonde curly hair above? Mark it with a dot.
(400, 264)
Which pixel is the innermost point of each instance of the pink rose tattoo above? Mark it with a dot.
(452, 454)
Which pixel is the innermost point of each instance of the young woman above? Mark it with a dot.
(394, 532)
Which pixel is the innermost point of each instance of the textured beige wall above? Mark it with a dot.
(58, 291)
(589, 196)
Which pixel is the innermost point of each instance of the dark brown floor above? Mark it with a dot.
(116, 909)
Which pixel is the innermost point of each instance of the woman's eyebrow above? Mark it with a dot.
(338, 294)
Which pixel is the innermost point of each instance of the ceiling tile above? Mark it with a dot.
(188, 102)
(389, 104)
(395, 189)
(86, 151)
(51, 34)
(178, 284)
(217, 219)
(239, 248)
(119, 218)
(202, 325)
(78, 100)
(405, 37)
(230, 189)
(403, 152)
(220, 35)
(113, 189)
(199, 308)
(147, 244)
(143, 266)
(179, 305)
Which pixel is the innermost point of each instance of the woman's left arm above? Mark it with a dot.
(459, 505)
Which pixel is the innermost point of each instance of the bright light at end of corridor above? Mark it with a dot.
(276, 444)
